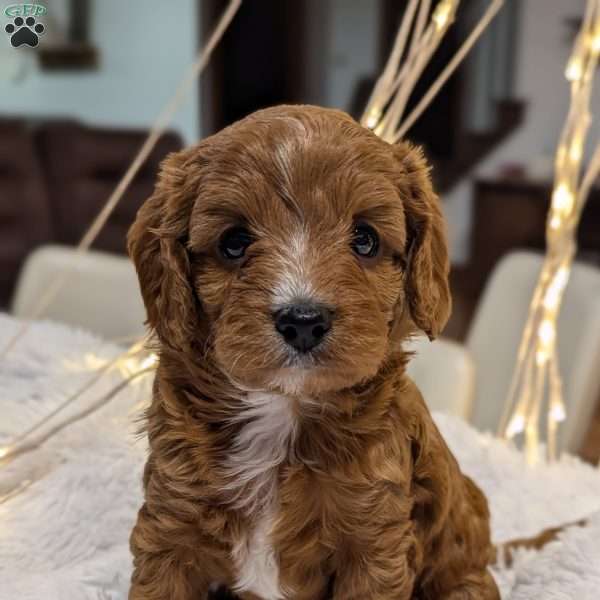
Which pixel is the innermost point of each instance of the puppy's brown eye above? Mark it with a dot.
(234, 242)
(365, 241)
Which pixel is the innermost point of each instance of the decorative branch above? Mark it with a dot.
(23, 447)
(385, 112)
(103, 370)
(536, 383)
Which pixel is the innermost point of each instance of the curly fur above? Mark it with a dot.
(285, 476)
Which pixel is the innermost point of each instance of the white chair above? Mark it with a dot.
(101, 294)
(496, 330)
(444, 372)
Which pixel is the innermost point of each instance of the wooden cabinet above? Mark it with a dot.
(511, 214)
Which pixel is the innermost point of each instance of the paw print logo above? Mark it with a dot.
(24, 32)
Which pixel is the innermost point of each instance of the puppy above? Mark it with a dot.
(282, 262)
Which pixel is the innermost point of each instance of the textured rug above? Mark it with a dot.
(66, 509)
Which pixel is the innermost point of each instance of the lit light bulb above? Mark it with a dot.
(149, 361)
(563, 199)
(555, 289)
(516, 425)
(576, 150)
(541, 357)
(574, 70)
(3, 452)
(441, 14)
(546, 333)
(558, 412)
(555, 222)
(373, 118)
(595, 42)
(562, 277)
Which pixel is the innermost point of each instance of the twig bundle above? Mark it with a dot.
(536, 384)
(417, 40)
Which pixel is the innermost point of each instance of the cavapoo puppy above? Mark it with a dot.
(282, 262)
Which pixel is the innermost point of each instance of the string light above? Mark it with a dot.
(563, 199)
(150, 361)
(547, 333)
(556, 289)
(576, 151)
(537, 383)
(574, 70)
(558, 412)
(443, 12)
(516, 426)
(595, 42)
(128, 363)
(373, 118)
(555, 222)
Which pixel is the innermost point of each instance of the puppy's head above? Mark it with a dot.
(294, 248)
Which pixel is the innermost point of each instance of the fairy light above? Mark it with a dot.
(373, 118)
(150, 361)
(536, 385)
(516, 426)
(574, 70)
(556, 288)
(131, 363)
(546, 333)
(576, 151)
(595, 42)
(558, 412)
(563, 199)
(442, 13)
(541, 357)
(555, 222)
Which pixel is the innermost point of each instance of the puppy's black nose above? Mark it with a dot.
(303, 326)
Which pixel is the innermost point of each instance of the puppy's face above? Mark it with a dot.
(294, 246)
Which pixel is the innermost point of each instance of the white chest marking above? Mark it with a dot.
(260, 447)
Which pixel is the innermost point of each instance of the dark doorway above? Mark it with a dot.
(259, 63)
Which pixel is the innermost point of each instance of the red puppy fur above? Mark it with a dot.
(285, 472)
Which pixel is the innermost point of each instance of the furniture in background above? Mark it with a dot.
(444, 373)
(510, 214)
(101, 296)
(24, 209)
(54, 178)
(496, 331)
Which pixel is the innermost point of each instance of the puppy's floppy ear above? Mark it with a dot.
(156, 244)
(428, 265)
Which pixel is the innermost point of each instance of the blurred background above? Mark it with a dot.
(76, 108)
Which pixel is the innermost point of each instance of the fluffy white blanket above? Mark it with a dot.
(65, 535)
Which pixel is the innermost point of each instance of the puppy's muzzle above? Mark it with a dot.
(303, 325)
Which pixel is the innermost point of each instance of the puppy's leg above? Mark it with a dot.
(373, 576)
(162, 571)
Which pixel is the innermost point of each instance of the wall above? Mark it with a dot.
(353, 46)
(145, 46)
(544, 48)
